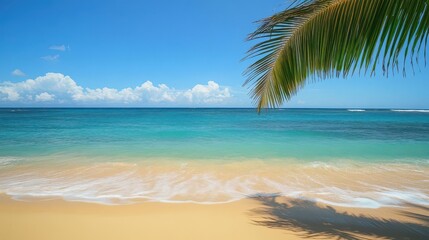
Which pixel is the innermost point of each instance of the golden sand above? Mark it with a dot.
(261, 218)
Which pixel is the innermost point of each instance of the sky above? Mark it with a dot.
(183, 53)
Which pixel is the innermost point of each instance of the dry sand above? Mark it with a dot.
(262, 218)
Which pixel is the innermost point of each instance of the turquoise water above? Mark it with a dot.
(303, 134)
(353, 158)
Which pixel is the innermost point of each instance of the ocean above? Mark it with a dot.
(347, 157)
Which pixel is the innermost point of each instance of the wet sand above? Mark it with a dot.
(349, 184)
(257, 218)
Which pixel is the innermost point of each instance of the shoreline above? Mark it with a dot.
(255, 218)
(348, 184)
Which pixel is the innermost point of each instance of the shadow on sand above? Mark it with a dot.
(308, 220)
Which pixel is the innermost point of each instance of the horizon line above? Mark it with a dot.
(266, 109)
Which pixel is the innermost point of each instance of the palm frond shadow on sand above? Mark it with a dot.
(308, 220)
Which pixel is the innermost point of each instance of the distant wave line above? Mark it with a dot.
(356, 110)
(410, 110)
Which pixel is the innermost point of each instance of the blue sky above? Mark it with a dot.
(158, 53)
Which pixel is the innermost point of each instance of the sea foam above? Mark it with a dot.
(6, 161)
(107, 183)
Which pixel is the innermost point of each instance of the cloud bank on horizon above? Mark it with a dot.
(59, 89)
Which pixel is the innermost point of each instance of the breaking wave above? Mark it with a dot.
(350, 185)
(356, 110)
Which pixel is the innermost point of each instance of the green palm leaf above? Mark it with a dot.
(325, 38)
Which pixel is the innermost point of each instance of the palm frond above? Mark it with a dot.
(325, 38)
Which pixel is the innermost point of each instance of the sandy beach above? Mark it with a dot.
(259, 218)
(214, 120)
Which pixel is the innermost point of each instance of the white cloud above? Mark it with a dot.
(56, 87)
(61, 48)
(43, 97)
(8, 93)
(51, 57)
(18, 73)
(210, 93)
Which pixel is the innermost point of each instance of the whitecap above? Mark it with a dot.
(356, 110)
